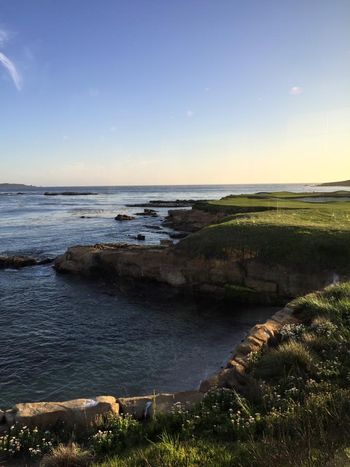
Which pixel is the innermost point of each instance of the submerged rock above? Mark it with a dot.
(148, 212)
(153, 227)
(17, 262)
(69, 193)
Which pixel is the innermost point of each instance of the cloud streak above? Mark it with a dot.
(12, 70)
(3, 37)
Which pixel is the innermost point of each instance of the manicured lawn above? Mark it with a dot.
(278, 230)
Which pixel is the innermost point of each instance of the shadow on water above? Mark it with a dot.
(65, 337)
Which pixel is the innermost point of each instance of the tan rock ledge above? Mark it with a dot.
(78, 412)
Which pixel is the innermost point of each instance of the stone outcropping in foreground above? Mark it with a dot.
(242, 277)
(78, 412)
(82, 412)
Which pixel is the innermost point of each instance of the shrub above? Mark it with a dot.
(115, 434)
(312, 306)
(323, 327)
(292, 331)
(70, 455)
(290, 358)
(25, 441)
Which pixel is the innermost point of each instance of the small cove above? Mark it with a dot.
(64, 337)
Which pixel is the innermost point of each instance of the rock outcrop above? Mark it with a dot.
(191, 220)
(146, 406)
(78, 412)
(124, 217)
(147, 213)
(17, 262)
(238, 277)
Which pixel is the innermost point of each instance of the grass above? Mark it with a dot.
(290, 359)
(285, 231)
(71, 455)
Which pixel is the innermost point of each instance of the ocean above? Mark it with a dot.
(66, 337)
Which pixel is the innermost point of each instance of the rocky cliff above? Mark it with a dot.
(239, 276)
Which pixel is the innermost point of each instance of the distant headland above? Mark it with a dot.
(15, 186)
(343, 183)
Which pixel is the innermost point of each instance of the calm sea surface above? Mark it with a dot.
(63, 337)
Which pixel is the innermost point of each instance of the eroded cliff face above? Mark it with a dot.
(191, 220)
(236, 277)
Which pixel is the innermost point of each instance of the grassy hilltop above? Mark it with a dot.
(307, 231)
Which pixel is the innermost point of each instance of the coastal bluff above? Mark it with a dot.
(240, 276)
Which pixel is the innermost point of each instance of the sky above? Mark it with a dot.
(141, 92)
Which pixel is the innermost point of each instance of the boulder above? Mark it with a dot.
(77, 412)
(146, 406)
(124, 217)
(284, 316)
(140, 237)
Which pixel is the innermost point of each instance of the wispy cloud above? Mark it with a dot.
(3, 37)
(295, 90)
(7, 63)
(12, 70)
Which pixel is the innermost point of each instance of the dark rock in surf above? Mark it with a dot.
(148, 212)
(17, 262)
(153, 227)
(69, 193)
(124, 217)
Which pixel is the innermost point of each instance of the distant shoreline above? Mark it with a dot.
(342, 183)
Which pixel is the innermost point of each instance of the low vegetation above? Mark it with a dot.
(279, 228)
(299, 414)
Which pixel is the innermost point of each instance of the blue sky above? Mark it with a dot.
(186, 91)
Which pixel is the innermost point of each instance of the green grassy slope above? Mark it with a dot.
(278, 228)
